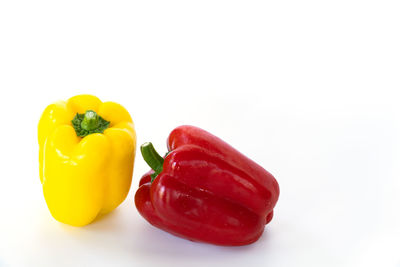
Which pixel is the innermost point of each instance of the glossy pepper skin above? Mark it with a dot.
(207, 191)
(84, 176)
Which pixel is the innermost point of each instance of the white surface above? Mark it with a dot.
(305, 88)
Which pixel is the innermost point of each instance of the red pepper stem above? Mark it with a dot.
(152, 158)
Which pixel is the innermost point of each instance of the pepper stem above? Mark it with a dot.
(88, 123)
(152, 158)
(90, 120)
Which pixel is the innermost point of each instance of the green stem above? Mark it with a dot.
(152, 158)
(90, 120)
(89, 123)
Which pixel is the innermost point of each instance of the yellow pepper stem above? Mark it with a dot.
(90, 120)
(89, 123)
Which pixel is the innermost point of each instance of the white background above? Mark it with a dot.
(308, 89)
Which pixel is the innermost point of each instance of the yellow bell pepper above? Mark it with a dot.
(86, 155)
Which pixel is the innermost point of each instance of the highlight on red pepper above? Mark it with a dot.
(205, 190)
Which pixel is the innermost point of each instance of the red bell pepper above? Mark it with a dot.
(205, 190)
